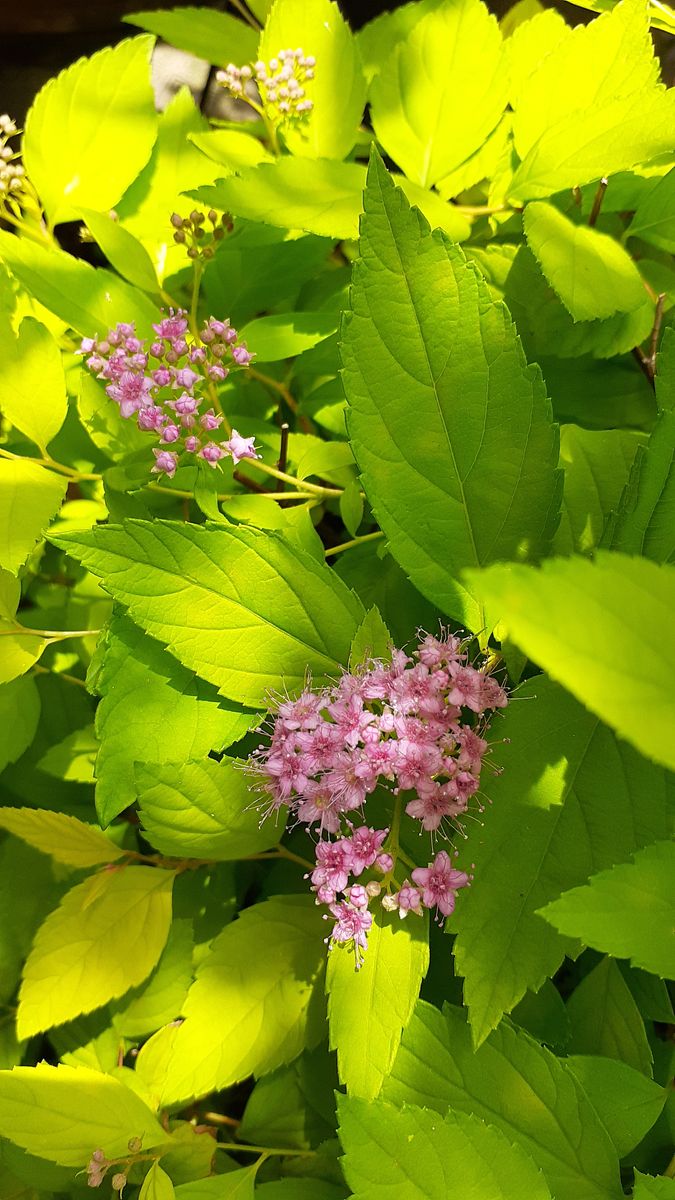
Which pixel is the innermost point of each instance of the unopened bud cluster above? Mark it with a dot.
(167, 383)
(12, 173)
(193, 233)
(281, 83)
(98, 1167)
(413, 725)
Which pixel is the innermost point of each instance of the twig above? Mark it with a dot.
(597, 201)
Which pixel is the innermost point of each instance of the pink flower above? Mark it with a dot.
(165, 462)
(351, 925)
(211, 454)
(334, 864)
(365, 846)
(240, 447)
(438, 883)
(405, 901)
(131, 393)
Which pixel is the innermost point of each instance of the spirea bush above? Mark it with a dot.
(337, 535)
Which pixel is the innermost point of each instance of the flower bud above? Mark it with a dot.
(176, 220)
(119, 1181)
(179, 237)
(134, 1144)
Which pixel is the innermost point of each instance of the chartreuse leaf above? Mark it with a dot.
(29, 497)
(284, 335)
(175, 165)
(592, 274)
(338, 90)
(371, 640)
(369, 1009)
(605, 1019)
(379, 38)
(320, 196)
(592, 107)
(215, 36)
(628, 911)
(156, 1185)
(597, 464)
(649, 1187)
(152, 710)
(104, 938)
(654, 219)
(295, 1105)
(122, 250)
(65, 838)
(161, 998)
(441, 405)
(419, 101)
(627, 1103)
(263, 972)
(515, 1084)
(581, 801)
(73, 758)
(64, 1113)
(19, 716)
(89, 300)
(528, 46)
(240, 607)
(575, 618)
(645, 522)
(231, 148)
(102, 101)
(203, 809)
(33, 396)
(409, 1154)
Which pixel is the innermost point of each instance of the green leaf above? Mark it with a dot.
(30, 497)
(156, 1185)
(294, 1106)
(371, 640)
(231, 148)
(429, 463)
(592, 274)
(263, 972)
(65, 838)
(650, 994)
(596, 465)
(215, 36)
(626, 1102)
(543, 1015)
(297, 1189)
(267, 611)
(19, 716)
(152, 709)
(379, 582)
(593, 106)
(654, 219)
(286, 334)
(203, 810)
(175, 165)
(645, 523)
(647, 1187)
(338, 90)
(234, 1185)
(627, 912)
(18, 862)
(575, 618)
(351, 508)
(574, 793)
(104, 938)
(605, 1019)
(89, 300)
(73, 758)
(161, 999)
(122, 249)
(63, 1113)
(408, 1154)
(515, 1084)
(369, 1009)
(378, 39)
(100, 102)
(320, 196)
(34, 387)
(420, 106)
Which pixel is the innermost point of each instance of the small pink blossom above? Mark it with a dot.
(439, 882)
(240, 447)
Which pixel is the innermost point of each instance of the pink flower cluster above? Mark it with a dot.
(413, 725)
(164, 384)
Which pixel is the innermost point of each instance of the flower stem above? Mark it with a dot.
(366, 537)
(50, 635)
(38, 670)
(268, 1151)
(315, 488)
(76, 476)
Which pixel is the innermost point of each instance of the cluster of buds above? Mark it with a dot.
(12, 174)
(200, 241)
(98, 1166)
(413, 725)
(166, 384)
(280, 83)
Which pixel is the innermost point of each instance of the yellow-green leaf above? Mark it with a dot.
(29, 497)
(156, 1185)
(104, 938)
(33, 391)
(65, 838)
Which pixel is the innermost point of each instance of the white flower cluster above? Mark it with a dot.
(11, 172)
(280, 82)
